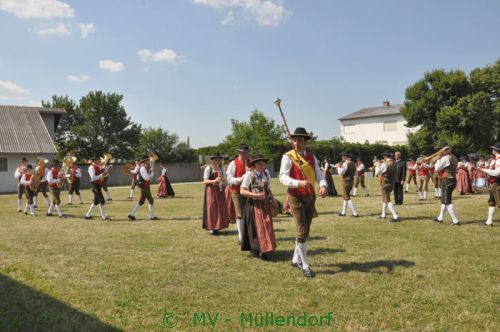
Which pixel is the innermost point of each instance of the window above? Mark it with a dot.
(3, 165)
(349, 129)
(390, 126)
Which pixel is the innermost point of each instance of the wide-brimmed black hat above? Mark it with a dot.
(95, 158)
(346, 154)
(442, 145)
(496, 146)
(301, 132)
(29, 166)
(216, 155)
(387, 153)
(243, 148)
(23, 159)
(257, 158)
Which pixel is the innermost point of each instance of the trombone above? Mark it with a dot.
(433, 156)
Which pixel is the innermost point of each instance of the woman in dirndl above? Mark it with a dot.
(215, 214)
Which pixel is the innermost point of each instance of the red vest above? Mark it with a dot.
(146, 184)
(27, 176)
(55, 175)
(410, 166)
(360, 173)
(98, 171)
(422, 171)
(493, 179)
(19, 169)
(240, 170)
(296, 174)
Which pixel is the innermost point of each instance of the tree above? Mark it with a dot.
(455, 108)
(165, 144)
(105, 126)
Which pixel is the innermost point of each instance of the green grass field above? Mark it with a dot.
(77, 275)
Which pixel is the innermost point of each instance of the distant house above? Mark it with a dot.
(25, 132)
(383, 124)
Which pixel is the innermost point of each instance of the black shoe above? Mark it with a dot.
(395, 219)
(35, 206)
(130, 198)
(263, 256)
(455, 224)
(485, 224)
(154, 218)
(70, 203)
(19, 210)
(49, 214)
(131, 217)
(435, 219)
(355, 215)
(62, 217)
(106, 219)
(381, 217)
(340, 214)
(109, 199)
(297, 265)
(88, 217)
(308, 273)
(214, 232)
(26, 213)
(367, 195)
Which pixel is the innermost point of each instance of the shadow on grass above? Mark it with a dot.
(24, 309)
(378, 267)
(286, 255)
(292, 238)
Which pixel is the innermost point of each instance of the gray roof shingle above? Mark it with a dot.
(371, 112)
(22, 129)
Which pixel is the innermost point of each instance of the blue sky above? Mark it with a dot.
(190, 66)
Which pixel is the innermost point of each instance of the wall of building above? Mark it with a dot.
(8, 183)
(49, 121)
(373, 130)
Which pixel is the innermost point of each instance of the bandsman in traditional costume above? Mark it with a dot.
(412, 175)
(299, 172)
(105, 182)
(235, 172)
(20, 187)
(133, 174)
(75, 175)
(215, 213)
(26, 182)
(144, 182)
(96, 172)
(386, 172)
(54, 178)
(400, 178)
(359, 180)
(494, 172)
(424, 176)
(436, 180)
(347, 170)
(258, 231)
(447, 169)
(43, 187)
(229, 200)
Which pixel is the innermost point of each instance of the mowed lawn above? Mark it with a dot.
(72, 274)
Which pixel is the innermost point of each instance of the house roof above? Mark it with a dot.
(371, 112)
(22, 129)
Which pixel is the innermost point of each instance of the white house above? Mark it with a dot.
(25, 132)
(383, 124)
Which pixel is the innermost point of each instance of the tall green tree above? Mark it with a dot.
(451, 106)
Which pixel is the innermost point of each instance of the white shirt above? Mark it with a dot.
(286, 180)
(206, 173)
(360, 167)
(494, 172)
(381, 169)
(136, 169)
(17, 173)
(51, 179)
(231, 171)
(342, 169)
(94, 177)
(164, 172)
(247, 178)
(442, 163)
(144, 173)
(24, 182)
(78, 173)
(45, 173)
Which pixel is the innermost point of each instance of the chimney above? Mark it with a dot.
(386, 103)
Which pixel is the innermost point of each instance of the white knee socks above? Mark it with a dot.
(19, 203)
(355, 192)
(491, 215)
(239, 226)
(352, 207)
(80, 198)
(452, 212)
(108, 194)
(58, 209)
(103, 212)
(89, 212)
(344, 207)
(407, 187)
(303, 255)
(151, 211)
(134, 210)
(296, 256)
(131, 193)
(390, 205)
(366, 191)
(51, 206)
(384, 208)
(70, 199)
(425, 195)
(32, 209)
(441, 212)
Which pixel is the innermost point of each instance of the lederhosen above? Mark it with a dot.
(43, 187)
(20, 186)
(412, 174)
(54, 188)
(494, 199)
(360, 178)
(448, 180)
(387, 180)
(239, 201)
(145, 189)
(97, 187)
(348, 180)
(75, 183)
(302, 202)
(27, 191)
(423, 178)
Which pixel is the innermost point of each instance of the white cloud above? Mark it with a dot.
(111, 66)
(45, 9)
(60, 29)
(164, 55)
(86, 29)
(9, 90)
(78, 79)
(264, 12)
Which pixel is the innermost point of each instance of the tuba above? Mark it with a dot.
(68, 160)
(126, 168)
(152, 158)
(36, 178)
(105, 160)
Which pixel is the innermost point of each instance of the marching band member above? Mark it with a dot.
(387, 174)
(235, 172)
(230, 204)
(494, 172)
(435, 179)
(423, 178)
(299, 172)
(412, 174)
(400, 178)
(42, 188)
(105, 185)
(447, 169)
(20, 187)
(215, 213)
(144, 177)
(26, 181)
(258, 231)
(75, 174)
(347, 171)
(53, 179)
(133, 173)
(359, 180)
(96, 173)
